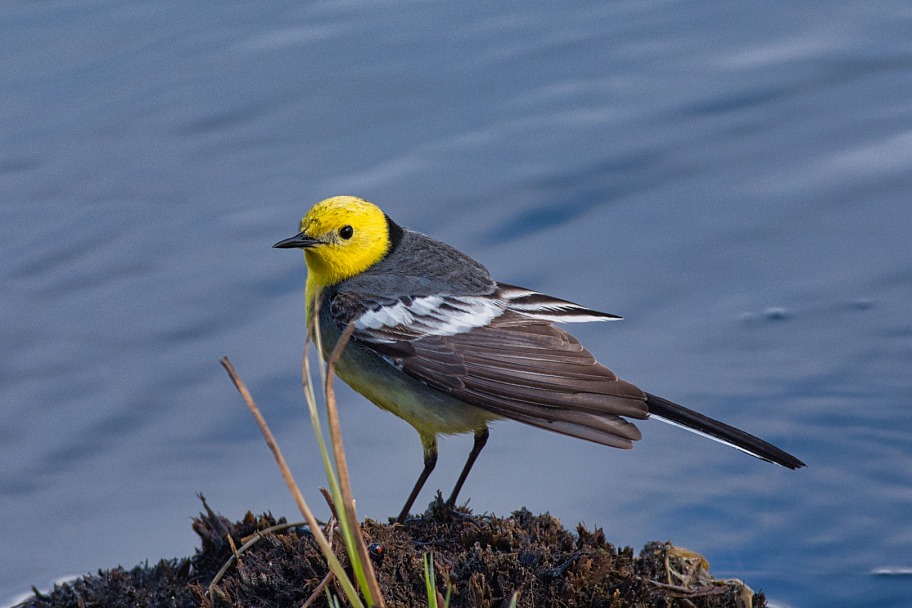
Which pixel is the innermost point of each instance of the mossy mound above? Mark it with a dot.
(482, 560)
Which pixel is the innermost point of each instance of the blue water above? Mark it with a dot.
(733, 178)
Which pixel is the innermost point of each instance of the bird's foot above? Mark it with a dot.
(439, 510)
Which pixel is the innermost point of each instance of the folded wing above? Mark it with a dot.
(533, 373)
(508, 362)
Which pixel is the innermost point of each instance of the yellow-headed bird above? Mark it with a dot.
(445, 347)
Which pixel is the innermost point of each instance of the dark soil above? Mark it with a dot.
(483, 560)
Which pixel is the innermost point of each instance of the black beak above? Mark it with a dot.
(298, 241)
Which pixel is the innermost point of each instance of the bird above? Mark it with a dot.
(438, 342)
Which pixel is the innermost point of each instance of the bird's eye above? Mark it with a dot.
(346, 232)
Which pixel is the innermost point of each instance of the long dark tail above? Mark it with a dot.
(678, 415)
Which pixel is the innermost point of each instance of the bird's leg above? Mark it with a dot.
(430, 461)
(481, 438)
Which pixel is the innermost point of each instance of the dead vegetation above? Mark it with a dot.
(481, 560)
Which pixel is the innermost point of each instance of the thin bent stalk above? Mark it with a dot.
(366, 576)
(334, 564)
(310, 397)
(338, 478)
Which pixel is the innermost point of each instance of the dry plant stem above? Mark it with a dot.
(287, 476)
(329, 501)
(341, 462)
(331, 475)
(328, 532)
(275, 528)
(248, 541)
(341, 485)
(314, 330)
(209, 601)
(213, 585)
(271, 442)
(318, 591)
(234, 550)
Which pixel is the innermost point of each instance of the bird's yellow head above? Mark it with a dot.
(341, 237)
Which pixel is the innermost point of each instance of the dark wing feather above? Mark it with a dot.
(514, 366)
(533, 373)
(503, 355)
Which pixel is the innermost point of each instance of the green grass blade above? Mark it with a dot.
(430, 582)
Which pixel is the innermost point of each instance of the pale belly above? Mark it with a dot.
(430, 411)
